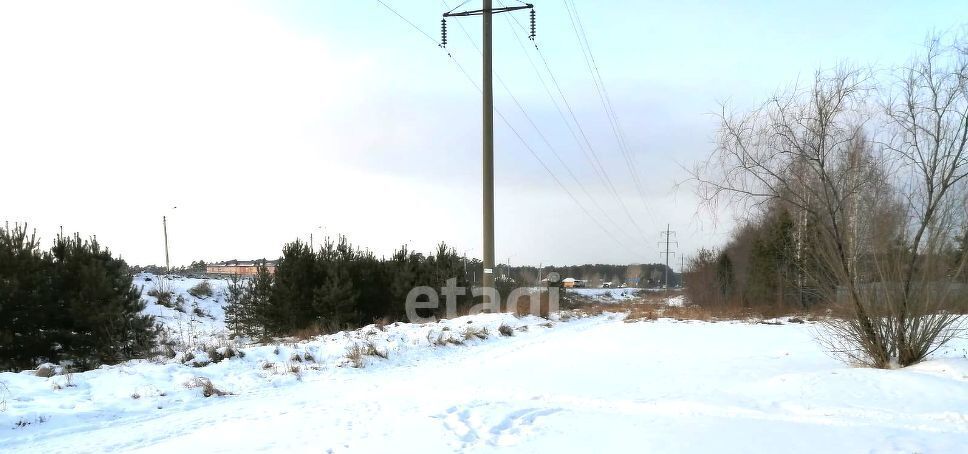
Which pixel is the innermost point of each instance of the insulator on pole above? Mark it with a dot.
(443, 33)
(532, 35)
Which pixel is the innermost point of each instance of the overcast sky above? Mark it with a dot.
(265, 121)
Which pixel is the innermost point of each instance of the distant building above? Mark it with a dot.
(571, 282)
(239, 267)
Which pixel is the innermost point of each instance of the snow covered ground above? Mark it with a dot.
(200, 319)
(607, 294)
(581, 385)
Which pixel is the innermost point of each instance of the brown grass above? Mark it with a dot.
(310, 332)
(208, 389)
(45, 371)
(652, 308)
(523, 305)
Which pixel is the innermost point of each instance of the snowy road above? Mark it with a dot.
(594, 385)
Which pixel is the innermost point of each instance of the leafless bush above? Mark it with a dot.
(472, 332)
(876, 197)
(214, 355)
(355, 354)
(162, 291)
(372, 350)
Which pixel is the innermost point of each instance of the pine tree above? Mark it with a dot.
(75, 302)
(259, 302)
(297, 275)
(96, 308)
(238, 308)
(25, 297)
(335, 300)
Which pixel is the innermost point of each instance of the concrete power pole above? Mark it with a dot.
(487, 92)
(164, 227)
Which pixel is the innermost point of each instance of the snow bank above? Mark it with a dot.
(148, 386)
(591, 384)
(197, 319)
(606, 295)
(594, 384)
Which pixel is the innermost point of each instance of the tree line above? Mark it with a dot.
(650, 275)
(73, 303)
(337, 286)
(857, 190)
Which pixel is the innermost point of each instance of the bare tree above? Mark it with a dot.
(874, 214)
(928, 118)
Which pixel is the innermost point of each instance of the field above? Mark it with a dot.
(477, 383)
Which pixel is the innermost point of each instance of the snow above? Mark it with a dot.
(187, 326)
(593, 384)
(678, 301)
(606, 294)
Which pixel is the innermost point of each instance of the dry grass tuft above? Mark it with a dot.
(471, 333)
(371, 350)
(355, 354)
(45, 371)
(505, 330)
(4, 392)
(201, 290)
(381, 323)
(310, 332)
(208, 389)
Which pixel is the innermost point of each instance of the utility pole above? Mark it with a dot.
(668, 239)
(164, 227)
(318, 227)
(507, 271)
(487, 92)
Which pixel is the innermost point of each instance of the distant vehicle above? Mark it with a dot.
(606, 285)
(622, 285)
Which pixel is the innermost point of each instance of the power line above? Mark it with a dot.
(668, 240)
(571, 129)
(415, 27)
(605, 99)
(588, 148)
(544, 138)
(508, 124)
(536, 157)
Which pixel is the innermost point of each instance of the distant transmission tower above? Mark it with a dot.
(668, 241)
